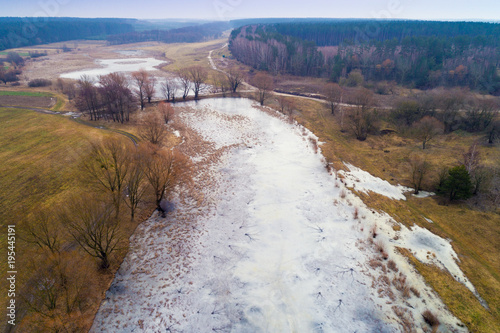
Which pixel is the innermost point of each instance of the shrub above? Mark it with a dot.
(430, 318)
(39, 83)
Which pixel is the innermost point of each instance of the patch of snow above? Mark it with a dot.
(264, 242)
(428, 220)
(431, 249)
(177, 133)
(424, 194)
(363, 181)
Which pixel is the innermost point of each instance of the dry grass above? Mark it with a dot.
(39, 157)
(183, 55)
(430, 319)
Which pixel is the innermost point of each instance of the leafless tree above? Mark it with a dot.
(169, 89)
(93, 227)
(450, 103)
(479, 114)
(107, 167)
(140, 78)
(426, 129)
(283, 102)
(117, 98)
(419, 168)
(42, 229)
(472, 159)
(185, 82)
(150, 88)
(166, 111)
(220, 83)
(135, 186)
(87, 98)
(56, 287)
(152, 129)
(361, 117)
(198, 76)
(333, 94)
(234, 78)
(264, 83)
(161, 168)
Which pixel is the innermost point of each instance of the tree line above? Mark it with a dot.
(116, 96)
(412, 53)
(191, 34)
(19, 32)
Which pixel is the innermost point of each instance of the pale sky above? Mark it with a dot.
(229, 9)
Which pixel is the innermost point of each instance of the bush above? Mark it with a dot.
(430, 318)
(36, 54)
(39, 83)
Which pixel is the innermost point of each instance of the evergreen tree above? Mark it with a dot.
(457, 184)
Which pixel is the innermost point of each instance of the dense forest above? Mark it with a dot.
(413, 53)
(19, 32)
(191, 34)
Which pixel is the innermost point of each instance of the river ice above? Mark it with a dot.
(270, 243)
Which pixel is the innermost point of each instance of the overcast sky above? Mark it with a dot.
(228, 9)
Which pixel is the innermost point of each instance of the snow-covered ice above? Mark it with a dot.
(107, 66)
(266, 241)
(363, 181)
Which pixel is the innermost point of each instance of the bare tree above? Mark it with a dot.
(362, 117)
(87, 97)
(185, 82)
(42, 230)
(234, 78)
(264, 83)
(141, 78)
(479, 114)
(333, 94)
(55, 288)
(166, 111)
(169, 89)
(472, 159)
(152, 129)
(283, 102)
(107, 167)
(150, 88)
(135, 186)
(92, 226)
(450, 103)
(220, 83)
(419, 168)
(117, 98)
(198, 76)
(426, 129)
(161, 169)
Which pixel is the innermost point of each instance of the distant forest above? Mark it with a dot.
(19, 32)
(419, 54)
(191, 34)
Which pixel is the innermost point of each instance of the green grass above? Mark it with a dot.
(22, 54)
(25, 93)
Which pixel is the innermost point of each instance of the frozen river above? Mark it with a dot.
(271, 242)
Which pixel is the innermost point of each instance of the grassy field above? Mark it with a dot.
(474, 234)
(37, 99)
(183, 55)
(40, 157)
(25, 93)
